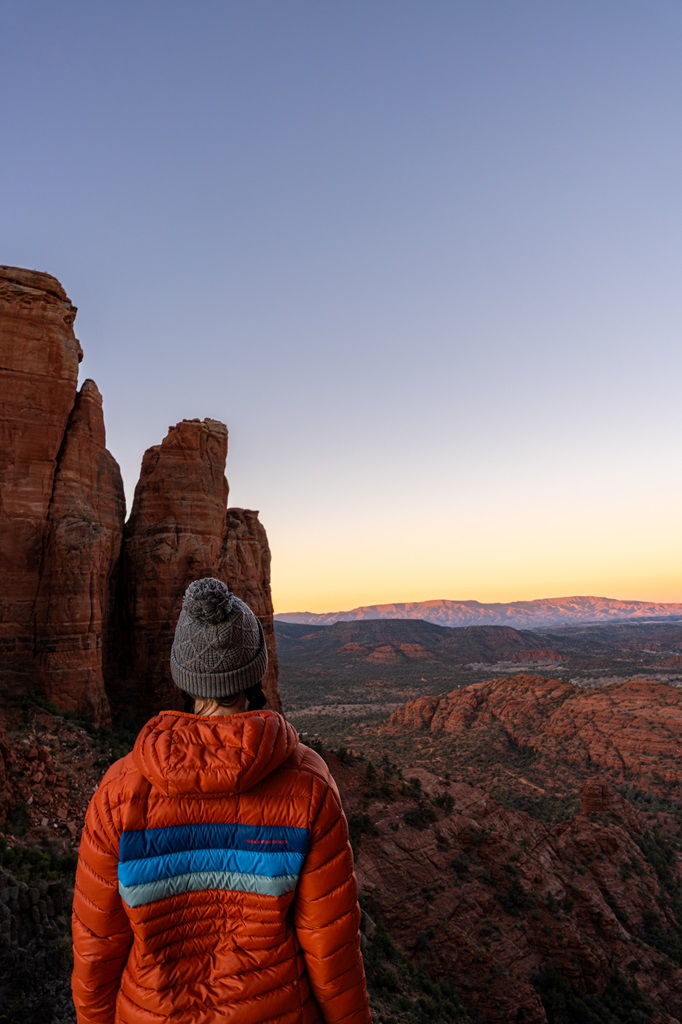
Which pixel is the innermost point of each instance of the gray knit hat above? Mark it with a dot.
(219, 648)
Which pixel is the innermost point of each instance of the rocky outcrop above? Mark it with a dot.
(81, 549)
(180, 530)
(506, 908)
(633, 727)
(174, 535)
(245, 567)
(39, 357)
(6, 795)
(88, 607)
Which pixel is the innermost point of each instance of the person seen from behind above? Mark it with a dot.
(215, 878)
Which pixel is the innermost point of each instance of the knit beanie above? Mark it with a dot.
(219, 648)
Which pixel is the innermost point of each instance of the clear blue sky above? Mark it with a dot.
(422, 258)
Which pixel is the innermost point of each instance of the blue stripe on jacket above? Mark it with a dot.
(151, 869)
(153, 842)
(159, 862)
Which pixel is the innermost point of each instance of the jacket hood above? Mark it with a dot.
(184, 754)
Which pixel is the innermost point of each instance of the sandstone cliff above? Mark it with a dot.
(39, 357)
(82, 542)
(179, 530)
(88, 606)
(245, 566)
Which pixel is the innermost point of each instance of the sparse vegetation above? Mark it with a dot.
(398, 987)
(359, 825)
(420, 816)
(621, 1002)
(26, 863)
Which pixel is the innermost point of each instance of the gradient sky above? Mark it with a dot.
(422, 258)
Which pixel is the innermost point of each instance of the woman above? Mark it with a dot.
(215, 879)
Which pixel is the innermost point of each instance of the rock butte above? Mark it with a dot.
(88, 606)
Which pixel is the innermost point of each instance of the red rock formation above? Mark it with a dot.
(61, 524)
(245, 567)
(541, 656)
(83, 541)
(39, 357)
(180, 530)
(630, 727)
(6, 793)
(488, 898)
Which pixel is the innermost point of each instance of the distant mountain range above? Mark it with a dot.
(392, 641)
(551, 611)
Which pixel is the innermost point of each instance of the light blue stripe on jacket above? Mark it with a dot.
(149, 892)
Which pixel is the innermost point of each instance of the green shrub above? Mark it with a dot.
(18, 820)
(359, 825)
(514, 897)
(420, 816)
(26, 863)
(444, 802)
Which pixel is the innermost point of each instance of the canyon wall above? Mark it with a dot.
(88, 606)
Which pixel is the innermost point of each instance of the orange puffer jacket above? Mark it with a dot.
(215, 882)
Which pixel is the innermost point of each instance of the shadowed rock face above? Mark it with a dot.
(245, 567)
(39, 357)
(490, 898)
(82, 545)
(84, 599)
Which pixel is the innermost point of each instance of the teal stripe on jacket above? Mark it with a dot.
(150, 892)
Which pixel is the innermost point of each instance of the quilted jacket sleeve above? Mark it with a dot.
(101, 931)
(327, 918)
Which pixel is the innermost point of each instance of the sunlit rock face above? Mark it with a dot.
(180, 530)
(88, 606)
(39, 357)
(632, 726)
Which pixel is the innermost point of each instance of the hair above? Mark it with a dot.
(255, 700)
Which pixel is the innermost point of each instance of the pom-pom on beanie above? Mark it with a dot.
(219, 648)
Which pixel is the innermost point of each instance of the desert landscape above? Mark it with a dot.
(514, 796)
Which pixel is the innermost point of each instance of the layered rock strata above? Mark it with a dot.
(88, 607)
(81, 549)
(498, 904)
(39, 357)
(634, 726)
